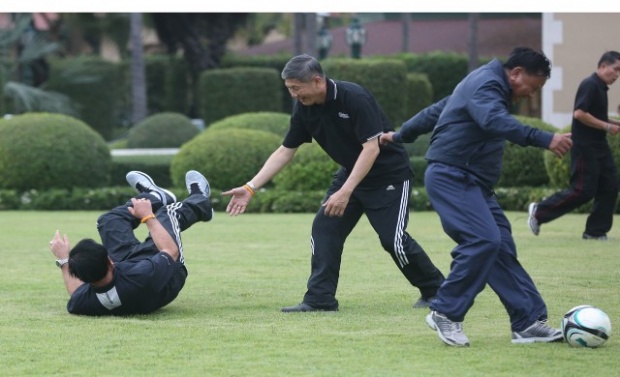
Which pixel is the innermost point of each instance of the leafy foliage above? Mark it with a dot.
(226, 92)
(41, 151)
(163, 130)
(228, 158)
(311, 169)
(525, 166)
(269, 121)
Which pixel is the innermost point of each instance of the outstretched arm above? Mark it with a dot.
(60, 248)
(241, 195)
(420, 124)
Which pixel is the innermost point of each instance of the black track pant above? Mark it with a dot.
(116, 226)
(593, 176)
(387, 210)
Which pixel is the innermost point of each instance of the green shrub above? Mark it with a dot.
(419, 165)
(225, 92)
(525, 166)
(558, 169)
(228, 158)
(311, 169)
(269, 121)
(273, 61)
(380, 77)
(419, 93)
(157, 167)
(41, 151)
(163, 130)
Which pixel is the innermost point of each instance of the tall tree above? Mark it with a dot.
(202, 36)
(138, 81)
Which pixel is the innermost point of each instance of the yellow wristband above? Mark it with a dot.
(147, 218)
(247, 187)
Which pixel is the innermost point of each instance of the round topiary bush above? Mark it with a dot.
(274, 122)
(41, 151)
(525, 166)
(228, 158)
(311, 169)
(163, 130)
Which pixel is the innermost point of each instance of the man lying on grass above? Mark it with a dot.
(123, 275)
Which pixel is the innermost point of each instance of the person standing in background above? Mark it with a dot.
(593, 170)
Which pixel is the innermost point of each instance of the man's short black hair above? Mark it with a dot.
(88, 261)
(609, 58)
(533, 62)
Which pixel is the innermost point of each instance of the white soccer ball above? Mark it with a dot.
(586, 326)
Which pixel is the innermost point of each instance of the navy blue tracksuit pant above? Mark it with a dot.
(386, 207)
(486, 252)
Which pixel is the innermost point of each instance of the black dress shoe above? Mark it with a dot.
(303, 307)
(423, 302)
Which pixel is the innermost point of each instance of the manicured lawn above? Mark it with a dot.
(226, 321)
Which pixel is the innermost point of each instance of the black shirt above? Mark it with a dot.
(139, 287)
(591, 97)
(349, 117)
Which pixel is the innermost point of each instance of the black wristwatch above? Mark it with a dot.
(62, 262)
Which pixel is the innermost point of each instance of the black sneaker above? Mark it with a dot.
(303, 307)
(423, 302)
(144, 184)
(587, 236)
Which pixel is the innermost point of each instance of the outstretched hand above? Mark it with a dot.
(561, 144)
(239, 201)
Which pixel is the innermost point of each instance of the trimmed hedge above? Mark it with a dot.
(228, 158)
(525, 166)
(311, 169)
(380, 77)
(274, 122)
(41, 151)
(163, 130)
(225, 92)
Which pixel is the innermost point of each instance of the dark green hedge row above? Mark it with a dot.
(101, 89)
(266, 201)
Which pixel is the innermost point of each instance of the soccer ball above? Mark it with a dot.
(586, 326)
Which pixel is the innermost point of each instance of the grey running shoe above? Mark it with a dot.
(539, 332)
(196, 183)
(423, 302)
(143, 183)
(449, 332)
(587, 236)
(531, 219)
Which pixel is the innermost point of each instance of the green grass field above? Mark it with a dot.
(226, 321)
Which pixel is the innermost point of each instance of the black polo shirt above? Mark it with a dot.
(591, 97)
(139, 287)
(349, 117)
